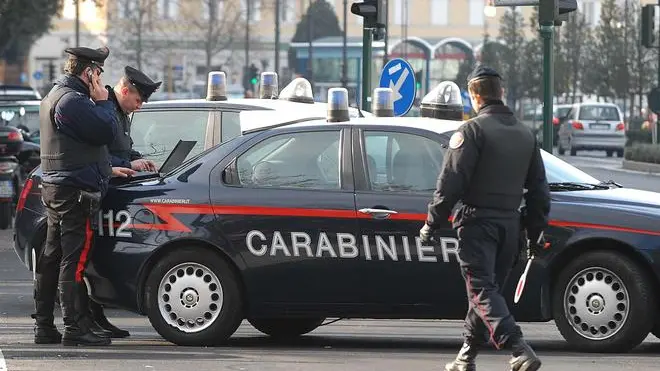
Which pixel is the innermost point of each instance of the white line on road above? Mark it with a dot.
(3, 365)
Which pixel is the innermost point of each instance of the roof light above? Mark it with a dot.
(298, 90)
(443, 102)
(337, 105)
(383, 103)
(268, 86)
(217, 86)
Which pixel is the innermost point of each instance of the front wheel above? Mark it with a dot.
(603, 302)
(193, 297)
(286, 328)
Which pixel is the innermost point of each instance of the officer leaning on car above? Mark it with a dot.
(77, 122)
(491, 159)
(132, 90)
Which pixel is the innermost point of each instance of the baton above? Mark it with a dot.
(523, 278)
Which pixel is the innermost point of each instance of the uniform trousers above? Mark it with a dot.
(488, 249)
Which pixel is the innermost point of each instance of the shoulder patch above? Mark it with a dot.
(456, 140)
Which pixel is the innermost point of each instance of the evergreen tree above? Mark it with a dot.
(324, 22)
(575, 35)
(610, 58)
(512, 34)
(641, 62)
(532, 71)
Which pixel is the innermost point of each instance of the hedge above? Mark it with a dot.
(643, 152)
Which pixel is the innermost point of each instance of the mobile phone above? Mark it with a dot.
(89, 73)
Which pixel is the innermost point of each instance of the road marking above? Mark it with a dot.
(3, 365)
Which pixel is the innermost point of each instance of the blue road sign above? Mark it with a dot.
(399, 76)
(37, 75)
(467, 104)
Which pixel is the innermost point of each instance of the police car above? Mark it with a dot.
(294, 222)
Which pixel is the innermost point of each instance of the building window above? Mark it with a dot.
(439, 12)
(402, 11)
(255, 10)
(287, 11)
(168, 9)
(477, 12)
(215, 8)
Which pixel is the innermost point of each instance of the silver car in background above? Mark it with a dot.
(592, 127)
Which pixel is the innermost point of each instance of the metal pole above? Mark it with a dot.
(625, 52)
(387, 31)
(310, 60)
(77, 23)
(658, 53)
(547, 33)
(247, 35)
(277, 36)
(366, 67)
(344, 67)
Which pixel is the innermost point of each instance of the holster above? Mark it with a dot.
(90, 201)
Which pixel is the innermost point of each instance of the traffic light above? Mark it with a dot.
(551, 10)
(250, 77)
(373, 12)
(51, 71)
(648, 26)
(418, 80)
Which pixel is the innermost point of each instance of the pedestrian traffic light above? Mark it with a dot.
(648, 26)
(418, 80)
(373, 12)
(254, 75)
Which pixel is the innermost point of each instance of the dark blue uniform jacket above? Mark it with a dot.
(78, 117)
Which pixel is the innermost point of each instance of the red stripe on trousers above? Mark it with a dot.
(85, 251)
(475, 301)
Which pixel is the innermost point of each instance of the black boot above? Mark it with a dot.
(465, 359)
(76, 332)
(99, 317)
(45, 331)
(523, 357)
(84, 308)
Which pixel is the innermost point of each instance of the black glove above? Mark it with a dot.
(426, 234)
(537, 243)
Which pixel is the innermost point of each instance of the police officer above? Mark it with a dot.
(491, 159)
(77, 123)
(127, 96)
(132, 90)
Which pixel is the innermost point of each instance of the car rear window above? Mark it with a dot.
(605, 113)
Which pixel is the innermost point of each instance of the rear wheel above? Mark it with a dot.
(286, 328)
(619, 153)
(610, 153)
(603, 302)
(193, 297)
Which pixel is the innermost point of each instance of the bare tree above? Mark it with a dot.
(130, 26)
(216, 24)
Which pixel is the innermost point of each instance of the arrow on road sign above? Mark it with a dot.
(396, 87)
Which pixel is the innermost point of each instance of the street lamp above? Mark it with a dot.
(490, 10)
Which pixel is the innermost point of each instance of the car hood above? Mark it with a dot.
(628, 199)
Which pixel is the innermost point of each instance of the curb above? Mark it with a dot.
(646, 167)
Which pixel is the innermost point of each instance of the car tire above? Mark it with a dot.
(619, 153)
(610, 153)
(560, 149)
(605, 292)
(285, 328)
(208, 303)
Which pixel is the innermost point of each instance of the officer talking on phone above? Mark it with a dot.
(491, 159)
(77, 122)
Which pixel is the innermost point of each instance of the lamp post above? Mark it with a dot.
(344, 52)
(310, 60)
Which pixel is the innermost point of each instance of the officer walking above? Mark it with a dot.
(491, 159)
(77, 123)
(127, 96)
(132, 90)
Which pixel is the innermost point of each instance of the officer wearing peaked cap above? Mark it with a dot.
(132, 90)
(76, 123)
(491, 159)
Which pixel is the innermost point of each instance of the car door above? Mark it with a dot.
(396, 173)
(286, 207)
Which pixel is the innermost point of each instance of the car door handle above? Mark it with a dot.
(378, 213)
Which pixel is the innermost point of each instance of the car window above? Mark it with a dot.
(558, 171)
(607, 113)
(307, 160)
(155, 133)
(231, 126)
(11, 116)
(400, 162)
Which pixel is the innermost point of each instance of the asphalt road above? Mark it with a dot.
(353, 345)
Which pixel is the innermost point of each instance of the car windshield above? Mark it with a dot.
(606, 113)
